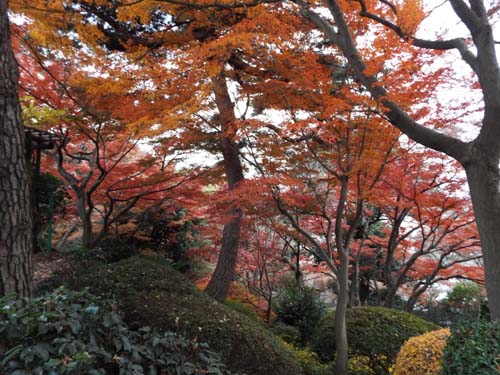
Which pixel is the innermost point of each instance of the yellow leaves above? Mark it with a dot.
(410, 14)
(422, 355)
(139, 10)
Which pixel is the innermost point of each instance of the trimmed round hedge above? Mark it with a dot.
(149, 292)
(422, 355)
(374, 332)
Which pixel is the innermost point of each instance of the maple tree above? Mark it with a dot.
(179, 72)
(479, 158)
(97, 156)
(261, 267)
(168, 109)
(188, 57)
(321, 191)
(426, 229)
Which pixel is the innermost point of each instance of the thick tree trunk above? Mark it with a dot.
(484, 179)
(220, 282)
(16, 243)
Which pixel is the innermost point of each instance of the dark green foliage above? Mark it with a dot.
(289, 334)
(473, 349)
(301, 308)
(243, 309)
(44, 208)
(170, 232)
(109, 250)
(373, 332)
(309, 361)
(70, 332)
(150, 292)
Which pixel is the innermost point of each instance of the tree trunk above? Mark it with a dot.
(340, 318)
(220, 282)
(16, 243)
(388, 297)
(484, 178)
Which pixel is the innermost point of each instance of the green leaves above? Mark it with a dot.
(473, 348)
(69, 332)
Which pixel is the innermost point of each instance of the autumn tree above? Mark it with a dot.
(322, 188)
(191, 58)
(15, 214)
(398, 22)
(260, 264)
(97, 155)
(426, 230)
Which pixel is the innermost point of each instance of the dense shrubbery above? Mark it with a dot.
(243, 309)
(309, 361)
(472, 349)
(69, 332)
(373, 332)
(150, 292)
(301, 308)
(422, 355)
(109, 250)
(289, 334)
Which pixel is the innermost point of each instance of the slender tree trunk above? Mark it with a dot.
(410, 304)
(269, 308)
(355, 279)
(484, 179)
(86, 219)
(389, 295)
(220, 282)
(16, 243)
(340, 316)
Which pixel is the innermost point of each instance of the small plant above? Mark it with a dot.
(301, 308)
(473, 348)
(70, 332)
(422, 355)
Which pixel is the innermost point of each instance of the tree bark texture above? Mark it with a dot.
(16, 244)
(484, 178)
(220, 282)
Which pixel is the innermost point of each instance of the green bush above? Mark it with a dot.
(150, 292)
(243, 309)
(301, 308)
(109, 250)
(289, 334)
(74, 246)
(309, 361)
(70, 332)
(473, 348)
(373, 332)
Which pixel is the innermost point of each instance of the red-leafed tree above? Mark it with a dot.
(97, 155)
(427, 231)
(396, 24)
(260, 265)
